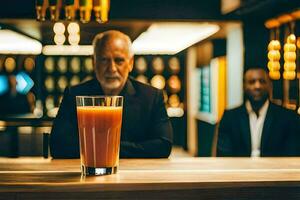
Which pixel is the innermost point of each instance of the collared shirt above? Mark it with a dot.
(256, 126)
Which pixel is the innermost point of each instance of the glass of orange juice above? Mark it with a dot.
(99, 125)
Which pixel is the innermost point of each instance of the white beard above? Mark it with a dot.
(111, 85)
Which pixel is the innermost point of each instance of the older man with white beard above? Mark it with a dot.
(146, 129)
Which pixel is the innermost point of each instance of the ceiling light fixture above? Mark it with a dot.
(15, 43)
(172, 37)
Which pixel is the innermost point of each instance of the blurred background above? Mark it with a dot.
(194, 50)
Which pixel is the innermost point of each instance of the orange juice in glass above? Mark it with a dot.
(99, 125)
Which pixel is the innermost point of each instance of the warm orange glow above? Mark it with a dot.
(222, 87)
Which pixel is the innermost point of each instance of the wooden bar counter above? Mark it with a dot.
(175, 178)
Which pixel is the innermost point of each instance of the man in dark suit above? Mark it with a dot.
(146, 129)
(258, 127)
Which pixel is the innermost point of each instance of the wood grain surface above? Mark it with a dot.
(158, 178)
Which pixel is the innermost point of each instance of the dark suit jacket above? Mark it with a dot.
(280, 136)
(146, 129)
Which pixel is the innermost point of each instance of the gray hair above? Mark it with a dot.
(101, 38)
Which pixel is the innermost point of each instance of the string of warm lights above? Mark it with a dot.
(274, 57)
(290, 58)
(289, 49)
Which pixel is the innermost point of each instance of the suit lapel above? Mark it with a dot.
(267, 128)
(130, 109)
(245, 128)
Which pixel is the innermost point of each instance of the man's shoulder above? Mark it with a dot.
(281, 111)
(236, 109)
(143, 88)
(82, 87)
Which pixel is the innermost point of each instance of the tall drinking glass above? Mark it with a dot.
(99, 124)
